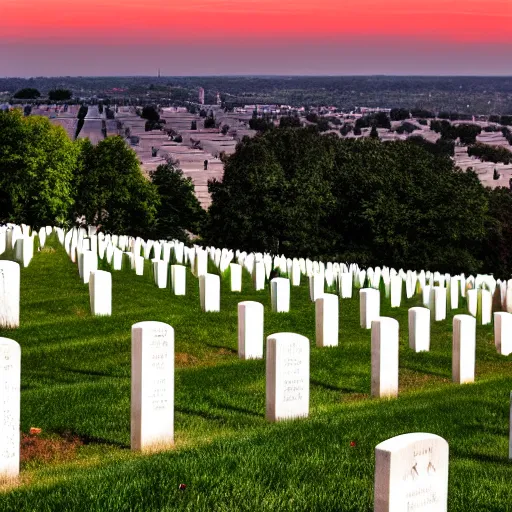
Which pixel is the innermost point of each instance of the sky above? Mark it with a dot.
(250, 37)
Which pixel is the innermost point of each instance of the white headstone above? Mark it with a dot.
(179, 279)
(10, 373)
(396, 291)
(152, 396)
(369, 306)
(100, 293)
(138, 262)
(327, 320)
(438, 303)
(485, 306)
(287, 376)
(472, 301)
(209, 291)
(510, 428)
(316, 286)
(384, 357)
(235, 271)
(9, 294)
(88, 262)
(160, 269)
(503, 333)
(463, 351)
(258, 275)
(280, 294)
(419, 329)
(250, 330)
(411, 474)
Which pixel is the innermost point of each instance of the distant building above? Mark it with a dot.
(201, 95)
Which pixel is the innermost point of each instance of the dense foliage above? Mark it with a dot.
(60, 95)
(46, 178)
(28, 93)
(179, 211)
(488, 153)
(400, 203)
(37, 162)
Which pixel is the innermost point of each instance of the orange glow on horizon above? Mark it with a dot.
(149, 21)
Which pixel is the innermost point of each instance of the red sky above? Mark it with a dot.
(471, 30)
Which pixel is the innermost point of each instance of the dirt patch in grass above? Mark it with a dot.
(80, 312)
(184, 359)
(411, 380)
(354, 397)
(48, 250)
(34, 448)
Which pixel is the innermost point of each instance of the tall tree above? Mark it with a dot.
(112, 191)
(37, 164)
(179, 212)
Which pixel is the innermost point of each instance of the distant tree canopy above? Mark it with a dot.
(290, 122)
(261, 124)
(179, 211)
(399, 114)
(304, 194)
(150, 113)
(28, 93)
(488, 153)
(465, 132)
(209, 121)
(60, 95)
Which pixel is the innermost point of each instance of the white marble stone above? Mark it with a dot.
(503, 333)
(316, 286)
(296, 272)
(384, 357)
(454, 292)
(117, 259)
(463, 349)
(346, 285)
(24, 250)
(10, 373)
(250, 330)
(485, 306)
(280, 294)
(258, 275)
(235, 271)
(287, 376)
(9, 294)
(327, 320)
(369, 306)
(209, 291)
(138, 262)
(411, 474)
(396, 291)
(88, 262)
(201, 263)
(419, 329)
(510, 433)
(160, 271)
(425, 296)
(152, 386)
(100, 293)
(438, 303)
(179, 279)
(472, 302)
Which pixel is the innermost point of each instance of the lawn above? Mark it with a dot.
(75, 382)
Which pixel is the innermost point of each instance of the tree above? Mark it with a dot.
(261, 124)
(60, 95)
(209, 122)
(290, 122)
(179, 211)
(225, 129)
(37, 164)
(296, 192)
(193, 125)
(28, 93)
(150, 113)
(374, 134)
(399, 114)
(112, 191)
(274, 195)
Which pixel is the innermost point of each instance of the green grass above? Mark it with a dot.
(76, 380)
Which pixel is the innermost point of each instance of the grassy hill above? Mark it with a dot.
(76, 387)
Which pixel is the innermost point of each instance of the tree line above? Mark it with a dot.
(48, 179)
(289, 191)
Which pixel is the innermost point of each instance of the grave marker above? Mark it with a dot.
(384, 357)
(152, 386)
(463, 350)
(100, 293)
(250, 330)
(411, 474)
(327, 320)
(419, 329)
(9, 294)
(369, 306)
(10, 374)
(287, 376)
